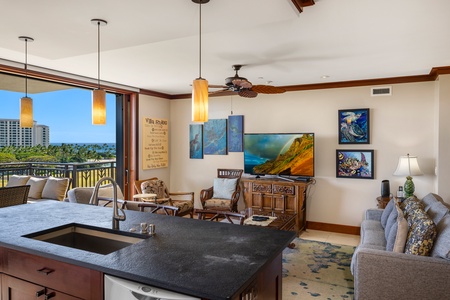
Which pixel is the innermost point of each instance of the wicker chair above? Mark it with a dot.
(183, 200)
(14, 195)
(215, 201)
(154, 208)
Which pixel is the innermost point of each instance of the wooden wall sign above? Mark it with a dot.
(155, 143)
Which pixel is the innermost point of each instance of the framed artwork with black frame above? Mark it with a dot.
(355, 164)
(354, 126)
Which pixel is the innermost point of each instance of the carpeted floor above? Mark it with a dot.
(317, 270)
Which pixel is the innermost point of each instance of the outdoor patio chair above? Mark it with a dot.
(14, 195)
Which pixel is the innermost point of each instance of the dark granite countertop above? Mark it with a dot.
(200, 258)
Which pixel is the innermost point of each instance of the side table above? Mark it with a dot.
(383, 201)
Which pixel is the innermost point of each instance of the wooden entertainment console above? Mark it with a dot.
(278, 196)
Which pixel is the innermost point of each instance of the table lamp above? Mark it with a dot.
(408, 166)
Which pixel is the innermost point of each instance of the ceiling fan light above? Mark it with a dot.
(200, 100)
(99, 107)
(26, 112)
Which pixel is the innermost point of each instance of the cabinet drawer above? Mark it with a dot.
(283, 189)
(71, 279)
(262, 188)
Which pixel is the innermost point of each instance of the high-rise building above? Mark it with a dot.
(12, 135)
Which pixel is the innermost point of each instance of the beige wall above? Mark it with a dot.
(400, 124)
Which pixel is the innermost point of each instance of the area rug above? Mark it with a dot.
(317, 270)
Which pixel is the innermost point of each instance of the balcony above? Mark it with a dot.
(82, 174)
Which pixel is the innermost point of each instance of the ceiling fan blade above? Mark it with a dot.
(267, 89)
(216, 93)
(247, 93)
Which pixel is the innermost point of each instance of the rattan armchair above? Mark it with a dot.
(212, 201)
(154, 208)
(14, 195)
(183, 200)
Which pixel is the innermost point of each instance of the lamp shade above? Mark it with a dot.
(99, 107)
(200, 100)
(26, 112)
(408, 166)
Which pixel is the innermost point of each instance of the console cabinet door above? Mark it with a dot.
(17, 289)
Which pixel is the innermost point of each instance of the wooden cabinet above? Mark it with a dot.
(278, 196)
(26, 274)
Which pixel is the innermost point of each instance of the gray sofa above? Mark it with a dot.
(389, 264)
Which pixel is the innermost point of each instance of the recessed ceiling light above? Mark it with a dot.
(325, 76)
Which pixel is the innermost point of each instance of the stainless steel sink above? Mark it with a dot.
(88, 238)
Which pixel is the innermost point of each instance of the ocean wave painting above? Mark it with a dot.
(215, 137)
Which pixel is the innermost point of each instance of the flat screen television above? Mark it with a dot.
(288, 154)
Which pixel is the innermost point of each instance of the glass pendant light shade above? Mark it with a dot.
(200, 100)
(98, 107)
(26, 112)
(98, 95)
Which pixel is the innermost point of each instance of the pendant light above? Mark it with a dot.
(200, 85)
(98, 95)
(26, 103)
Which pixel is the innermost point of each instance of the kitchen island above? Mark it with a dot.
(209, 260)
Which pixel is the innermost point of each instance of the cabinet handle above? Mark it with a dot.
(50, 295)
(40, 293)
(45, 271)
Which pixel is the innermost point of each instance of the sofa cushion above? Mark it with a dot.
(398, 233)
(441, 247)
(36, 187)
(372, 233)
(430, 199)
(387, 211)
(392, 219)
(224, 187)
(421, 235)
(55, 188)
(17, 180)
(437, 211)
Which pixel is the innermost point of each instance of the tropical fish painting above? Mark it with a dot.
(354, 126)
(354, 164)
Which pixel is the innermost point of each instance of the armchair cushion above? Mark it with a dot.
(154, 186)
(224, 188)
(217, 203)
(55, 188)
(36, 187)
(17, 180)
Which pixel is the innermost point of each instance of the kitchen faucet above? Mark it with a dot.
(94, 201)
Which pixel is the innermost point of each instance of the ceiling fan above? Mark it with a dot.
(245, 88)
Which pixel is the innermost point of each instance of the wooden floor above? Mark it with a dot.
(330, 237)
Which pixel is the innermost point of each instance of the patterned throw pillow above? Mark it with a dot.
(422, 233)
(411, 204)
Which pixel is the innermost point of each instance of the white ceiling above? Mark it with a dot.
(154, 44)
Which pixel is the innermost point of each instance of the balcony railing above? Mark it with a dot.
(81, 174)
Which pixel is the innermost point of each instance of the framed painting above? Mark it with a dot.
(354, 164)
(235, 133)
(215, 137)
(196, 141)
(354, 126)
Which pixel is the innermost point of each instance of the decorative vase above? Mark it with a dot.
(409, 187)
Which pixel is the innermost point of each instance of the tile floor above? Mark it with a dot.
(330, 237)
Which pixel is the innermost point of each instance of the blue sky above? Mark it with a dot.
(67, 113)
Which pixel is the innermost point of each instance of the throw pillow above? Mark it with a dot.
(430, 199)
(224, 187)
(36, 187)
(437, 211)
(398, 233)
(392, 219)
(441, 247)
(55, 188)
(411, 205)
(17, 180)
(386, 212)
(421, 235)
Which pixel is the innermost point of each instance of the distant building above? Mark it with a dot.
(12, 135)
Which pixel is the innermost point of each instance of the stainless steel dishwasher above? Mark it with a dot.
(121, 289)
